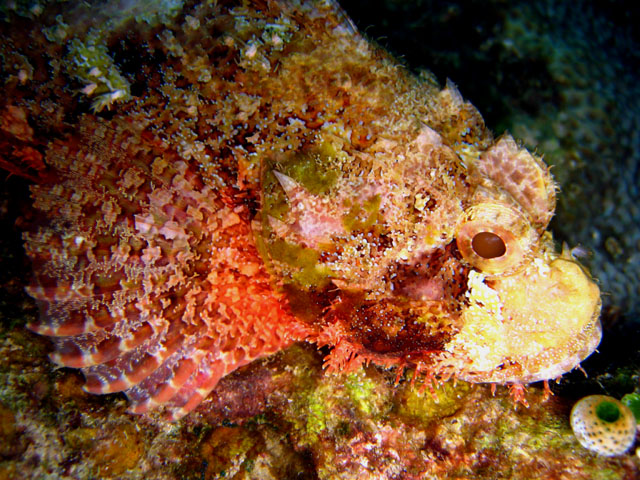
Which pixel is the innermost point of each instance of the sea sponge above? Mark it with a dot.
(603, 424)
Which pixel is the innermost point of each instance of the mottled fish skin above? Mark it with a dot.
(282, 179)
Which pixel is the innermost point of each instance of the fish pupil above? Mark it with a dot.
(488, 245)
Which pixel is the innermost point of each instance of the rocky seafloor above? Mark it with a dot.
(564, 81)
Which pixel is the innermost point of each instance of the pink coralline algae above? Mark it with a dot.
(281, 179)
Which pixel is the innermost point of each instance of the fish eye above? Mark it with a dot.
(488, 245)
(494, 238)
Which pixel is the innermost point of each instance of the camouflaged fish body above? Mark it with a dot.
(281, 179)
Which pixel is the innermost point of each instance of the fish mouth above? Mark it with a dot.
(514, 372)
(590, 339)
(540, 323)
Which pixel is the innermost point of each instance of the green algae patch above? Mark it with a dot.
(311, 412)
(315, 171)
(300, 266)
(632, 400)
(303, 176)
(326, 408)
(317, 413)
(362, 216)
(360, 390)
(274, 198)
(444, 400)
(305, 269)
(318, 407)
(368, 392)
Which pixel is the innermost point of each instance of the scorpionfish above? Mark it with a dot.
(279, 178)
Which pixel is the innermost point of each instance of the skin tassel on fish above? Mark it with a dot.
(261, 174)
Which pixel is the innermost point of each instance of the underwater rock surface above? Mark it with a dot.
(341, 426)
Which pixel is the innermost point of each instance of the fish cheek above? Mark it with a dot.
(394, 329)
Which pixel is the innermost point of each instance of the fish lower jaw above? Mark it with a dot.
(550, 372)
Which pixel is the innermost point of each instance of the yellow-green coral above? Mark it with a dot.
(443, 400)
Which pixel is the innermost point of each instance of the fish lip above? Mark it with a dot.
(572, 361)
(553, 371)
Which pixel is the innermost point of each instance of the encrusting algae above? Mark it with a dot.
(281, 179)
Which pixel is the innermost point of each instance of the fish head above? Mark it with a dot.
(428, 256)
(532, 313)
